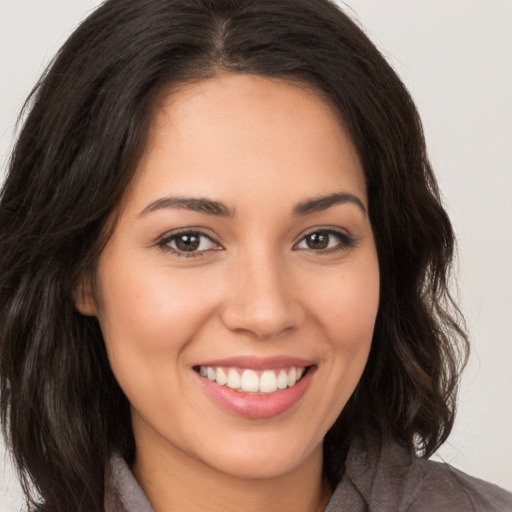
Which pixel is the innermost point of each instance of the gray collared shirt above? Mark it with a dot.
(376, 479)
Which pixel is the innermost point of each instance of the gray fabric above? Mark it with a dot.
(388, 479)
(122, 491)
(392, 479)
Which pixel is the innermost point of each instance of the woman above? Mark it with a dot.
(223, 271)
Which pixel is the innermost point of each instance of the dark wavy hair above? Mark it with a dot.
(62, 410)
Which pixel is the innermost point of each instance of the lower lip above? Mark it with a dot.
(253, 405)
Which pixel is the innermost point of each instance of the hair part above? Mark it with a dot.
(62, 410)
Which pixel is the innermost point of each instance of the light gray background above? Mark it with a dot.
(456, 58)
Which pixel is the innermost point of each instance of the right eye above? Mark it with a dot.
(188, 243)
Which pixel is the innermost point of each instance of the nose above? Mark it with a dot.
(263, 301)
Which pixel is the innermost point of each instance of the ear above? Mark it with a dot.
(83, 297)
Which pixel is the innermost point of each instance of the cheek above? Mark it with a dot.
(347, 304)
(148, 316)
(344, 304)
(148, 307)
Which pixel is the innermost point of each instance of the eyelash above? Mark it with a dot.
(346, 242)
(164, 242)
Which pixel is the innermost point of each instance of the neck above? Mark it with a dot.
(173, 480)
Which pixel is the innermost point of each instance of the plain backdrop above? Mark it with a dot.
(455, 57)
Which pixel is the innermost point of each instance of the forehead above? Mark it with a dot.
(239, 132)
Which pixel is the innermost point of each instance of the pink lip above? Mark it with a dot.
(258, 363)
(253, 405)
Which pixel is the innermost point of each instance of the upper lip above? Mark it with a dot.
(258, 363)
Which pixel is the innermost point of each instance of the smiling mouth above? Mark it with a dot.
(253, 381)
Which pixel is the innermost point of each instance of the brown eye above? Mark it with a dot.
(326, 240)
(188, 242)
(317, 241)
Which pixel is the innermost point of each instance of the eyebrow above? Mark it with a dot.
(211, 207)
(322, 203)
(199, 204)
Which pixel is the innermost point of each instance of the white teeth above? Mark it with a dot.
(292, 377)
(220, 376)
(282, 380)
(233, 381)
(268, 382)
(250, 381)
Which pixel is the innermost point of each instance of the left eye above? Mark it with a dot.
(324, 240)
(189, 242)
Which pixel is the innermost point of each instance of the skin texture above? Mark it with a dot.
(255, 289)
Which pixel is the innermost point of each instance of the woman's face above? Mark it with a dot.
(238, 293)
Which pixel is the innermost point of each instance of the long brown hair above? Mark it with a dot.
(62, 410)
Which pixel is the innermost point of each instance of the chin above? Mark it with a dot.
(262, 458)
